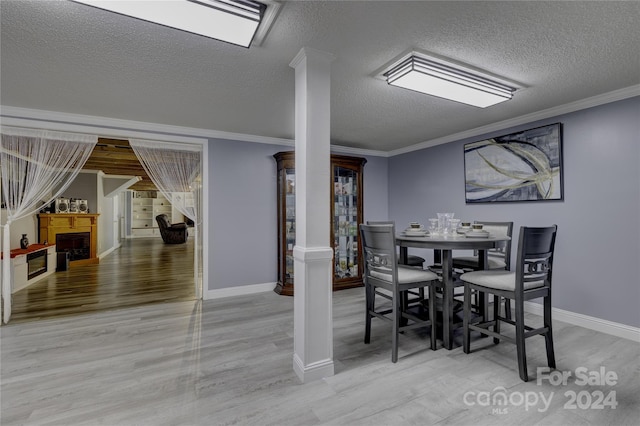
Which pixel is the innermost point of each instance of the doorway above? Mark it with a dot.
(127, 276)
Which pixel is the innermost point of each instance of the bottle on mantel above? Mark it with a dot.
(24, 241)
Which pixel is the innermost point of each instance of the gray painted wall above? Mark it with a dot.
(376, 188)
(597, 263)
(27, 225)
(84, 187)
(243, 215)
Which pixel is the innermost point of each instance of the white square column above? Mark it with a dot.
(313, 255)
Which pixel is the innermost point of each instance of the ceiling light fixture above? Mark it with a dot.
(445, 81)
(232, 21)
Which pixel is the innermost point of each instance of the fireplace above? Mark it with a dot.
(36, 263)
(77, 244)
(73, 233)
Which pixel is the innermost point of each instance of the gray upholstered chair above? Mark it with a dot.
(497, 258)
(412, 260)
(172, 234)
(530, 280)
(381, 270)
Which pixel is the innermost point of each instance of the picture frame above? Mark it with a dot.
(518, 167)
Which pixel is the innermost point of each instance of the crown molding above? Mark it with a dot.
(358, 151)
(605, 98)
(315, 54)
(112, 127)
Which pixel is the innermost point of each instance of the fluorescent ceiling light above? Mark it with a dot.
(444, 81)
(233, 21)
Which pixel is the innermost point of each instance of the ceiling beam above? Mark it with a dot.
(116, 157)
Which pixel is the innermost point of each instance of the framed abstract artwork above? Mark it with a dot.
(522, 166)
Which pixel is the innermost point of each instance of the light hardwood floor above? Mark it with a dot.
(141, 271)
(229, 362)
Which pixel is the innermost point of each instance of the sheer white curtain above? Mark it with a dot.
(34, 164)
(176, 170)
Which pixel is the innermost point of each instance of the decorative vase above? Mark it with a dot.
(24, 241)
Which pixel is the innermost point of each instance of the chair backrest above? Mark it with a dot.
(535, 256)
(163, 221)
(503, 252)
(379, 250)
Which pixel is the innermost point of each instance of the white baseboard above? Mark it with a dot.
(315, 371)
(109, 251)
(592, 323)
(238, 291)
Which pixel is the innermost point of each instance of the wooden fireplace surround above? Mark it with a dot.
(51, 224)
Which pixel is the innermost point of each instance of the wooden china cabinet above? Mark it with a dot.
(346, 215)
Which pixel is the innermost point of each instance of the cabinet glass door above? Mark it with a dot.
(290, 222)
(345, 188)
(345, 223)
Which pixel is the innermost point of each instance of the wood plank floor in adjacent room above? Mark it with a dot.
(229, 362)
(141, 271)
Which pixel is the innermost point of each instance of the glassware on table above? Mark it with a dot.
(453, 226)
(433, 226)
(449, 217)
(443, 222)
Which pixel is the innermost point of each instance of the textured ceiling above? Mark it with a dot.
(67, 57)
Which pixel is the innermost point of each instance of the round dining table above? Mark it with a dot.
(447, 243)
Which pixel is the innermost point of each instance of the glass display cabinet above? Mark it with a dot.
(346, 215)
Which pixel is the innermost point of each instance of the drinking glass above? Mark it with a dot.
(443, 222)
(433, 226)
(453, 225)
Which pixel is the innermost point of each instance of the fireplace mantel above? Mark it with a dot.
(52, 224)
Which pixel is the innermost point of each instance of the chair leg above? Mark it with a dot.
(432, 315)
(507, 308)
(396, 325)
(475, 294)
(497, 300)
(404, 305)
(548, 337)
(466, 344)
(483, 306)
(369, 302)
(520, 344)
